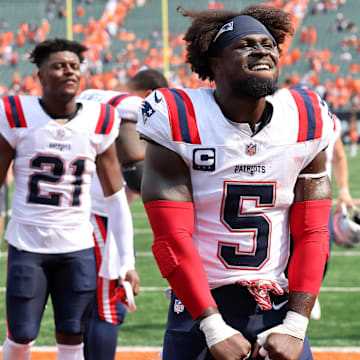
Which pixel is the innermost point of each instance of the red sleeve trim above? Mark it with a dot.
(106, 119)
(310, 118)
(182, 116)
(14, 112)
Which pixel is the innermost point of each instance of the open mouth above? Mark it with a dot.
(69, 81)
(260, 67)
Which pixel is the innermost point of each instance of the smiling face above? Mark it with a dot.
(249, 66)
(60, 75)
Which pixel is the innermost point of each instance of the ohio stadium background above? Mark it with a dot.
(125, 36)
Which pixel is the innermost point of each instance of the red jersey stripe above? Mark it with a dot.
(317, 112)
(8, 112)
(173, 114)
(303, 119)
(191, 118)
(111, 114)
(116, 100)
(20, 111)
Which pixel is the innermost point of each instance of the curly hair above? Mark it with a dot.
(205, 25)
(43, 50)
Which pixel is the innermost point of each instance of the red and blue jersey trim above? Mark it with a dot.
(106, 119)
(333, 116)
(116, 100)
(310, 119)
(14, 112)
(181, 116)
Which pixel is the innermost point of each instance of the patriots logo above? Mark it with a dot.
(227, 27)
(146, 111)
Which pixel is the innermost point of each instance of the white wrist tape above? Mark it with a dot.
(129, 296)
(294, 324)
(216, 330)
(344, 190)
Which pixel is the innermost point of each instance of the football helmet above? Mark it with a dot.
(347, 227)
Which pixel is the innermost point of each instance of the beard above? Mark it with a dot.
(254, 87)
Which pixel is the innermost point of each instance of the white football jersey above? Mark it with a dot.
(53, 167)
(243, 183)
(127, 106)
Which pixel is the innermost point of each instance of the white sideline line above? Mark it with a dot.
(344, 253)
(118, 349)
(344, 350)
(339, 289)
(143, 231)
(163, 288)
(149, 253)
(144, 253)
(349, 349)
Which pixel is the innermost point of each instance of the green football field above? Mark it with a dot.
(339, 297)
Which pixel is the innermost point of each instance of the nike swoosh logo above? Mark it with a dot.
(157, 100)
(280, 305)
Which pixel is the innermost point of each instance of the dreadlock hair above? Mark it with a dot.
(148, 80)
(206, 24)
(43, 50)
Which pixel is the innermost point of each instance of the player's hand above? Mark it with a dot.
(235, 347)
(133, 278)
(279, 347)
(344, 197)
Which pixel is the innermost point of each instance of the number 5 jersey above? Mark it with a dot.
(53, 167)
(243, 182)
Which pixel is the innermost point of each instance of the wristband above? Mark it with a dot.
(344, 190)
(216, 330)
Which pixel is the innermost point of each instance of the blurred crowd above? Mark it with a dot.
(104, 69)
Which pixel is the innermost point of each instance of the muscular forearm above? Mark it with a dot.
(301, 302)
(340, 171)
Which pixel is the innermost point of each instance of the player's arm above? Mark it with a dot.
(120, 221)
(309, 218)
(340, 171)
(131, 153)
(7, 154)
(167, 193)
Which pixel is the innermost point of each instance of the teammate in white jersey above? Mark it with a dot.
(336, 164)
(107, 315)
(228, 171)
(56, 143)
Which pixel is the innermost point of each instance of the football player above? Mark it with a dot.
(56, 143)
(336, 164)
(227, 172)
(108, 314)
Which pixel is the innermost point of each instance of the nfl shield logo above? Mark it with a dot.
(60, 133)
(178, 306)
(251, 149)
